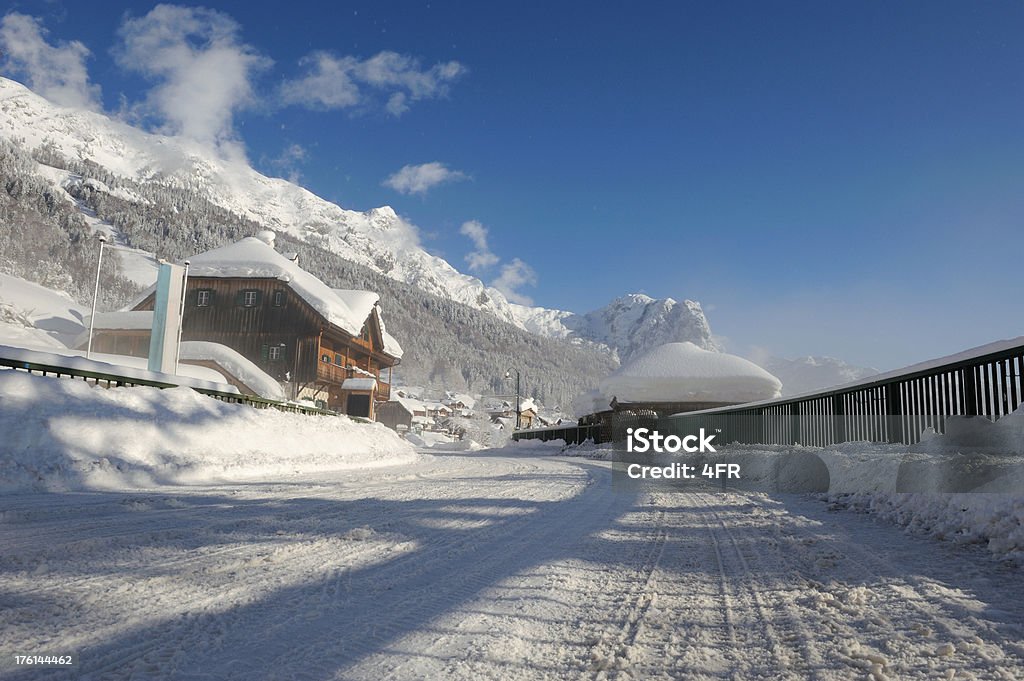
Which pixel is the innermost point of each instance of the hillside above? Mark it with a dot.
(128, 164)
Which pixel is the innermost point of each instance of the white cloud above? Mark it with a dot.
(203, 72)
(288, 162)
(513, 276)
(420, 179)
(333, 82)
(327, 85)
(482, 257)
(56, 72)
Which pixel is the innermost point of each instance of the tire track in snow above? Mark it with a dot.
(735, 569)
(192, 631)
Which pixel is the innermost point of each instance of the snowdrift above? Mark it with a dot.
(63, 434)
(965, 486)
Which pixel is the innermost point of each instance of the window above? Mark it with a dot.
(278, 299)
(249, 298)
(326, 359)
(204, 297)
(276, 353)
(339, 359)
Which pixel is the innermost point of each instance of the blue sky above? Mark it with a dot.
(826, 178)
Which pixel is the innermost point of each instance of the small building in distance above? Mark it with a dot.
(400, 413)
(330, 345)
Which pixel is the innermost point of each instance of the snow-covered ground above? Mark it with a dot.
(34, 316)
(499, 564)
(61, 434)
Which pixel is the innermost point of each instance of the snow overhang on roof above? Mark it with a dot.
(366, 384)
(683, 372)
(123, 320)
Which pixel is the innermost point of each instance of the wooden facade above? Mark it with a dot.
(267, 322)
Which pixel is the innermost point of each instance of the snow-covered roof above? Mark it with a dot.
(361, 303)
(235, 364)
(359, 384)
(253, 257)
(123, 319)
(391, 346)
(410, 404)
(683, 372)
(452, 398)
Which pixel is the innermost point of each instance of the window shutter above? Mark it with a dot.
(264, 352)
(259, 298)
(240, 300)
(212, 296)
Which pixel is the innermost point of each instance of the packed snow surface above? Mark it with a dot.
(61, 434)
(491, 565)
(683, 372)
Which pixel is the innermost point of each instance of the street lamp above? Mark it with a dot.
(519, 415)
(95, 295)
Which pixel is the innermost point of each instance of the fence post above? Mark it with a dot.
(894, 412)
(838, 418)
(969, 380)
(794, 423)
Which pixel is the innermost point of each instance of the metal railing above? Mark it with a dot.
(110, 380)
(573, 434)
(892, 407)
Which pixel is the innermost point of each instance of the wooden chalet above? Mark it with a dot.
(330, 344)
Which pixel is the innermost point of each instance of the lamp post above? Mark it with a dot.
(519, 416)
(95, 295)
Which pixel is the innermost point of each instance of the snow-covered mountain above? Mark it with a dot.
(635, 323)
(807, 374)
(378, 239)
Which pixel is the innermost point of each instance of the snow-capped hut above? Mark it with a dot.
(330, 344)
(680, 377)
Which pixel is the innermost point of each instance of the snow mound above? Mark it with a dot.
(64, 434)
(35, 316)
(237, 365)
(683, 372)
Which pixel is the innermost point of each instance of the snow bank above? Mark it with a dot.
(64, 434)
(966, 486)
(235, 364)
(34, 315)
(683, 372)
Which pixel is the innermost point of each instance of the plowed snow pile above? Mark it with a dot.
(64, 434)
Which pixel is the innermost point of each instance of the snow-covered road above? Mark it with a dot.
(490, 565)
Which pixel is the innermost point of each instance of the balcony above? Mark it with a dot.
(332, 373)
